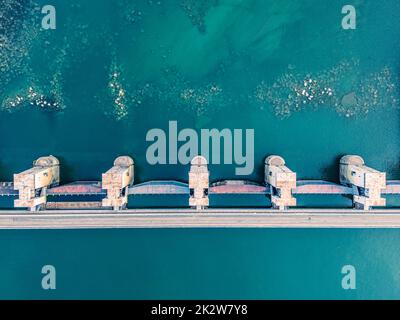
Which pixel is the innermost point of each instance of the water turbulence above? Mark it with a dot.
(22, 82)
(342, 88)
(197, 11)
(118, 93)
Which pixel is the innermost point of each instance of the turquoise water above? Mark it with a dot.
(210, 64)
(168, 60)
(200, 264)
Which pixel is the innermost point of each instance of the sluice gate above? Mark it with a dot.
(32, 188)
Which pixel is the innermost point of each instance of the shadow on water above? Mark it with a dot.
(67, 171)
(331, 171)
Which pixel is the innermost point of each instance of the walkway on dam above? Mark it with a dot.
(209, 218)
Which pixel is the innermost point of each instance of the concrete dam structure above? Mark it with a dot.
(33, 209)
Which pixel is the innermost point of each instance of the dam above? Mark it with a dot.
(323, 102)
(31, 189)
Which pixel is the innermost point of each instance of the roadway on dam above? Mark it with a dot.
(210, 218)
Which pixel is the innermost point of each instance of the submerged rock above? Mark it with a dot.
(197, 10)
(349, 100)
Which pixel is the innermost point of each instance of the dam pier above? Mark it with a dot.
(35, 189)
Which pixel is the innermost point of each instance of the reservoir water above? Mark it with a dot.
(91, 90)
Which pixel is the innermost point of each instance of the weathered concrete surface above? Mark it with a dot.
(199, 183)
(117, 181)
(371, 182)
(206, 219)
(282, 180)
(32, 184)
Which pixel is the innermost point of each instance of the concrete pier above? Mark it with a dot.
(199, 183)
(367, 183)
(282, 182)
(32, 184)
(116, 182)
